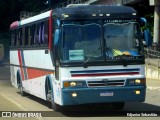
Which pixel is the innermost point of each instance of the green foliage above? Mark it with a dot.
(150, 18)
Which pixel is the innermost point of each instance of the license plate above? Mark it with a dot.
(104, 94)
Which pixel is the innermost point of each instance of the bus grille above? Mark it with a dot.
(106, 83)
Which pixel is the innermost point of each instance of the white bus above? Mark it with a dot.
(79, 55)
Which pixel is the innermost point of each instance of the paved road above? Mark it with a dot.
(4, 72)
(10, 100)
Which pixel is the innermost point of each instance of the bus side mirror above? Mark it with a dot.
(147, 37)
(56, 37)
(56, 41)
(56, 53)
(146, 32)
(143, 21)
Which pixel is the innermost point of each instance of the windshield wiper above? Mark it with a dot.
(85, 63)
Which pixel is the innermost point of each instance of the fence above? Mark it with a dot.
(152, 63)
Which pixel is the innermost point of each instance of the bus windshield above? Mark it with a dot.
(121, 39)
(81, 42)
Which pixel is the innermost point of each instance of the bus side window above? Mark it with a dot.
(13, 37)
(45, 33)
(33, 27)
(39, 33)
(26, 36)
(36, 38)
(23, 36)
(20, 37)
(29, 35)
(17, 37)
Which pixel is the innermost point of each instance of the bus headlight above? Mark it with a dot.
(74, 84)
(141, 81)
(137, 81)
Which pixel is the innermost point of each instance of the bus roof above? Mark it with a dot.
(82, 12)
(96, 11)
(30, 19)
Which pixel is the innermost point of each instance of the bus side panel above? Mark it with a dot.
(35, 66)
(13, 69)
(13, 75)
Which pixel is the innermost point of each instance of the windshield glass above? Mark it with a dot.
(121, 39)
(81, 42)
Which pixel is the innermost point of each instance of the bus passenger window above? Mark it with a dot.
(19, 37)
(13, 37)
(23, 37)
(32, 34)
(29, 35)
(26, 36)
(39, 33)
(45, 33)
(36, 35)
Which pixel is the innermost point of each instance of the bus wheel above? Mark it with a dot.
(21, 90)
(118, 105)
(50, 100)
(55, 106)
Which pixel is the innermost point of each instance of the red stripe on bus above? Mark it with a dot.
(35, 73)
(50, 31)
(20, 63)
(104, 74)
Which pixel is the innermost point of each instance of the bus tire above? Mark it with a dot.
(118, 105)
(20, 86)
(50, 97)
(55, 106)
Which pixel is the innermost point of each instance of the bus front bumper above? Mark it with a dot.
(76, 96)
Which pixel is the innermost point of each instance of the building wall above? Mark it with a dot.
(124, 2)
(110, 2)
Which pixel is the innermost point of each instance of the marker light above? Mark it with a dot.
(134, 13)
(65, 15)
(74, 94)
(66, 84)
(100, 14)
(107, 14)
